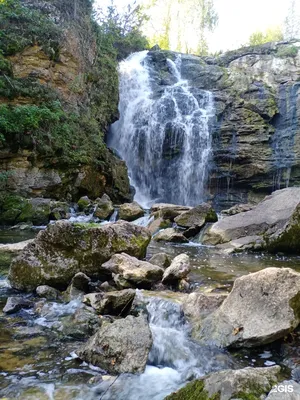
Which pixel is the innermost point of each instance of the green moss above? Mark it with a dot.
(287, 51)
(86, 225)
(83, 203)
(166, 223)
(211, 216)
(22, 26)
(193, 391)
(247, 396)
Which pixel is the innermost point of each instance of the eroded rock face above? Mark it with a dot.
(261, 308)
(64, 249)
(273, 224)
(256, 102)
(120, 347)
(230, 384)
(129, 271)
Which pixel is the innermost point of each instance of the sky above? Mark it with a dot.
(238, 19)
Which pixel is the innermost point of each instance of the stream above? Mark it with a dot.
(38, 354)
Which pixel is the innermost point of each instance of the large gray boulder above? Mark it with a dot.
(65, 248)
(274, 224)
(160, 259)
(248, 383)
(193, 220)
(261, 308)
(120, 347)
(168, 211)
(112, 303)
(179, 269)
(130, 211)
(141, 274)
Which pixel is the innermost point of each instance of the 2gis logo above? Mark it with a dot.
(282, 388)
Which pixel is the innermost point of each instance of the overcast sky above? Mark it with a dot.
(238, 19)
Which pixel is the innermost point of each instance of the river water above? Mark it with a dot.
(38, 356)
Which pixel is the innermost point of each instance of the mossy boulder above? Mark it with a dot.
(131, 211)
(246, 384)
(65, 248)
(104, 208)
(15, 209)
(84, 203)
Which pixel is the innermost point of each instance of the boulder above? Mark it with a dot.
(14, 247)
(81, 282)
(104, 208)
(120, 347)
(276, 221)
(15, 304)
(286, 390)
(81, 324)
(141, 274)
(47, 292)
(65, 248)
(168, 211)
(158, 223)
(59, 210)
(193, 220)
(261, 308)
(248, 383)
(84, 203)
(170, 235)
(198, 306)
(112, 303)
(179, 269)
(160, 259)
(130, 211)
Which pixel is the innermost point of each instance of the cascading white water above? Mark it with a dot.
(163, 133)
(173, 360)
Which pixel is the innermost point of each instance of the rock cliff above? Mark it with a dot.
(256, 133)
(58, 95)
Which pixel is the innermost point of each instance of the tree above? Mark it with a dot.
(181, 25)
(122, 29)
(271, 35)
(292, 22)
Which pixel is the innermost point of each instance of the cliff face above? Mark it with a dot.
(58, 95)
(256, 132)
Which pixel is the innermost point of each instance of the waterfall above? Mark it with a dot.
(163, 133)
(173, 360)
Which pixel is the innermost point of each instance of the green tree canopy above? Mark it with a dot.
(270, 35)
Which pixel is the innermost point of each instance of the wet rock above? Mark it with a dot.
(59, 210)
(159, 223)
(170, 235)
(65, 248)
(104, 208)
(47, 292)
(15, 304)
(286, 390)
(138, 273)
(81, 282)
(83, 323)
(130, 211)
(112, 303)
(160, 259)
(193, 220)
(247, 383)
(168, 211)
(179, 269)
(106, 287)
(122, 283)
(276, 221)
(120, 347)
(84, 202)
(261, 308)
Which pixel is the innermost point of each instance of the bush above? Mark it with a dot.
(287, 51)
(22, 26)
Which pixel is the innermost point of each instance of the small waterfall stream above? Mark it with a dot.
(173, 360)
(163, 133)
